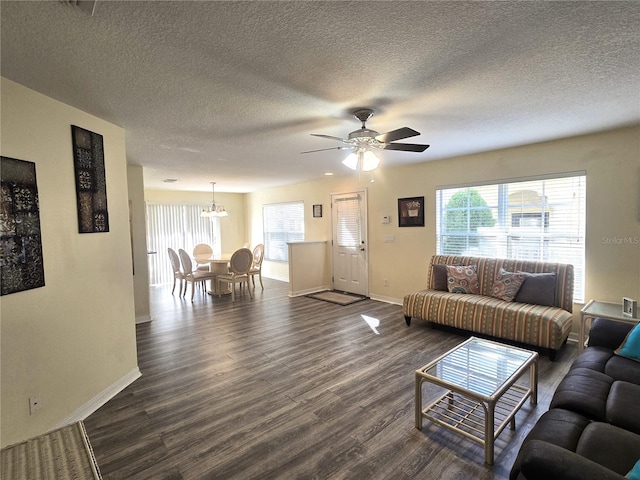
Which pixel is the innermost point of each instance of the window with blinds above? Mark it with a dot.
(282, 223)
(348, 229)
(530, 219)
(177, 226)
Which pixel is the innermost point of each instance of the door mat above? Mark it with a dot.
(339, 298)
(62, 454)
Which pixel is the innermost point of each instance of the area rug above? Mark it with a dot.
(62, 454)
(340, 298)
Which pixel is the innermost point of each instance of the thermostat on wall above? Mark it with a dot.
(386, 219)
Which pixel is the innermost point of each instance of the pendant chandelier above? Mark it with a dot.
(216, 209)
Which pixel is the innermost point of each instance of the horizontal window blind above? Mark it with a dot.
(541, 219)
(282, 223)
(177, 226)
(349, 230)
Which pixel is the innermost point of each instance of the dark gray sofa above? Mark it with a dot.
(592, 428)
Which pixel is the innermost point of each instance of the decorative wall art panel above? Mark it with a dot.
(91, 185)
(21, 263)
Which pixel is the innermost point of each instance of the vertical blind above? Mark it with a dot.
(282, 223)
(530, 219)
(177, 226)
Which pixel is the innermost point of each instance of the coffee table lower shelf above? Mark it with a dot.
(473, 419)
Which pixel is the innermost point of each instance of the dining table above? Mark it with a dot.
(218, 266)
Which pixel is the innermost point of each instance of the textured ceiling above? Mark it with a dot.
(231, 91)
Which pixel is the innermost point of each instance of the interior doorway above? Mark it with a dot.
(349, 251)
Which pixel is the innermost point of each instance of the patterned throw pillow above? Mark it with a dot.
(463, 279)
(506, 285)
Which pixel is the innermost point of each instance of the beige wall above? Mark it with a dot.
(610, 159)
(73, 339)
(135, 184)
(232, 228)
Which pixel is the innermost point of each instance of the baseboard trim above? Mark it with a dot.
(309, 291)
(103, 397)
(382, 298)
(143, 319)
(275, 277)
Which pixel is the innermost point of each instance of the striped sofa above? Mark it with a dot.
(541, 326)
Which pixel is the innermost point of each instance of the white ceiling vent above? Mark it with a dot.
(85, 6)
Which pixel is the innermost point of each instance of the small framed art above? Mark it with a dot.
(411, 212)
(629, 307)
(317, 211)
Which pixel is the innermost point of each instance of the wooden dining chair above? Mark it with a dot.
(201, 254)
(256, 266)
(177, 273)
(192, 276)
(239, 267)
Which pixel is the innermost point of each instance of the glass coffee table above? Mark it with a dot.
(484, 386)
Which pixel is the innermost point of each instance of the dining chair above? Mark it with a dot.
(202, 253)
(177, 273)
(191, 275)
(256, 266)
(239, 267)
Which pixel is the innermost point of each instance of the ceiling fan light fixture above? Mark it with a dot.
(364, 141)
(370, 161)
(364, 160)
(351, 161)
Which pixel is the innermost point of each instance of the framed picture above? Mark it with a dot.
(91, 185)
(317, 211)
(22, 265)
(411, 212)
(629, 307)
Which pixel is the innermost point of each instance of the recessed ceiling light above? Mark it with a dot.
(328, 174)
(170, 180)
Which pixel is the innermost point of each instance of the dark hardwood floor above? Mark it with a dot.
(285, 388)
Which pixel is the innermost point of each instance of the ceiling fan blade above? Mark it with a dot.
(324, 149)
(329, 137)
(405, 147)
(399, 134)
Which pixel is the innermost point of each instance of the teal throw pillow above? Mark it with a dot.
(630, 348)
(634, 474)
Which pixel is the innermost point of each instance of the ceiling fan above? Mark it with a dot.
(361, 142)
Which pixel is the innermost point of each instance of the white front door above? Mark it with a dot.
(349, 242)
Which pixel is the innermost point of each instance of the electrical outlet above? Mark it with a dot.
(386, 282)
(34, 404)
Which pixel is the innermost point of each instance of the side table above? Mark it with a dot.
(595, 309)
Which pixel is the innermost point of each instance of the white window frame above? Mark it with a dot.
(555, 234)
(281, 223)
